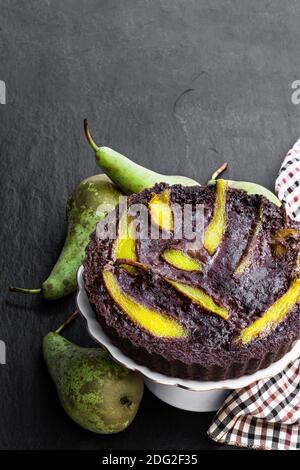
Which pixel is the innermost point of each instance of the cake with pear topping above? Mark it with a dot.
(220, 305)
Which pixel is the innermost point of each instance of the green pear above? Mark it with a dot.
(252, 188)
(249, 187)
(96, 392)
(90, 202)
(127, 175)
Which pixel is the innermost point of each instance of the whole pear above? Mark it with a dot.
(97, 393)
(128, 175)
(90, 202)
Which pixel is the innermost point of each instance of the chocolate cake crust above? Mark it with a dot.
(209, 351)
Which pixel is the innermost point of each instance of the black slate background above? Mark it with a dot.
(178, 85)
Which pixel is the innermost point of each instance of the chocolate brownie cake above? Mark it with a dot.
(214, 307)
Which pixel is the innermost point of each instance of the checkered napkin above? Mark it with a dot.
(287, 184)
(266, 414)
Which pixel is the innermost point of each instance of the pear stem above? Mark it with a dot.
(89, 136)
(68, 320)
(22, 290)
(220, 170)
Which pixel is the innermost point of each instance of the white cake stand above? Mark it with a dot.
(191, 395)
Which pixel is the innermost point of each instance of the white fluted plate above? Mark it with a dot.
(192, 395)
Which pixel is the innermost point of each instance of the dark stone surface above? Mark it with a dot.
(180, 86)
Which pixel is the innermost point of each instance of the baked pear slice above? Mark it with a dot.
(215, 231)
(125, 245)
(153, 321)
(181, 260)
(274, 315)
(161, 211)
(201, 298)
(281, 237)
(285, 233)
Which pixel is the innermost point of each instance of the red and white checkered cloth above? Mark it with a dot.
(287, 185)
(266, 414)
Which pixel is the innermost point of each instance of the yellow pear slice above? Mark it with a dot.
(279, 249)
(200, 297)
(214, 233)
(181, 260)
(161, 211)
(274, 315)
(284, 233)
(280, 237)
(156, 323)
(125, 246)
